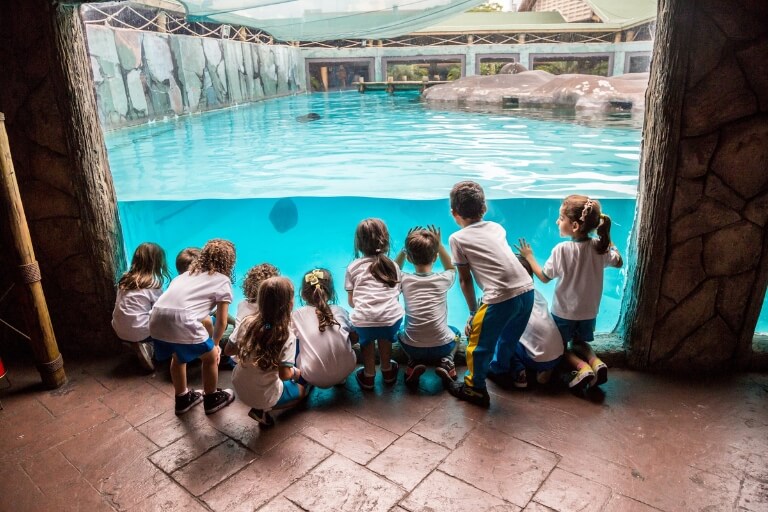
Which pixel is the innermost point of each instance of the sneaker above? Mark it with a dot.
(469, 394)
(390, 376)
(543, 377)
(412, 375)
(262, 416)
(145, 351)
(448, 365)
(446, 375)
(601, 372)
(185, 402)
(364, 380)
(581, 378)
(217, 400)
(521, 381)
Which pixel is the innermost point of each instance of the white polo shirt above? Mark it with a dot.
(178, 314)
(376, 304)
(483, 246)
(244, 309)
(578, 269)
(542, 339)
(325, 358)
(426, 308)
(130, 318)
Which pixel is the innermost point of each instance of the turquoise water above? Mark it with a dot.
(292, 192)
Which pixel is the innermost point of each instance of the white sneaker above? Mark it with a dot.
(145, 351)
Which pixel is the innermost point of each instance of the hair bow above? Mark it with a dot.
(587, 209)
(313, 277)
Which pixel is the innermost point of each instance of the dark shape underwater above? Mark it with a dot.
(312, 116)
(284, 215)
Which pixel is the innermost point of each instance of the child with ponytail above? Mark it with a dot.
(324, 333)
(578, 267)
(372, 282)
(266, 377)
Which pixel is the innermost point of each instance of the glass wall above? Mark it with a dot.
(337, 75)
(492, 64)
(638, 63)
(447, 67)
(569, 64)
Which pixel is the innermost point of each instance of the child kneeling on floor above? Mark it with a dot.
(266, 377)
(427, 337)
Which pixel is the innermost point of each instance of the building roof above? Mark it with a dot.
(622, 12)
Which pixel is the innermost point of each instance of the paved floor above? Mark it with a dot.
(109, 440)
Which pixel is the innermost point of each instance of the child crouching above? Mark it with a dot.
(266, 377)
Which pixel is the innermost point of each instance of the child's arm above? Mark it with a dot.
(526, 252)
(400, 258)
(208, 324)
(289, 373)
(218, 330)
(349, 299)
(442, 252)
(614, 252)
(467, 285)
(230, 349)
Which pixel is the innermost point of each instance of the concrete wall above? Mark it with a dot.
(146, 75)
(616, 51)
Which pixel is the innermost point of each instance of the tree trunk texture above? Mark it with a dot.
(656, 188)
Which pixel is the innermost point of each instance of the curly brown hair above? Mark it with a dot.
(317, 290)
(218, 255)
(267, 331)
(255, 276)
(148, 268)
(468, 200)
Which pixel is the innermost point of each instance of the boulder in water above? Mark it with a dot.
(308, 118)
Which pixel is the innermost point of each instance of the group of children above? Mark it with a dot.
(282, 352)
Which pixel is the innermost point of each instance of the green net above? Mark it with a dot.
(324, 20)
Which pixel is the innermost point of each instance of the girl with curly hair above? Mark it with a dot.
(266, 377)
(248, 306)
(176, 324)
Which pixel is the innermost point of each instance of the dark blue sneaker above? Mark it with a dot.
(469, 394)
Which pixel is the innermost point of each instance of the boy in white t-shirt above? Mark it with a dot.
(541, 345)
(427, 337)
(481, 253)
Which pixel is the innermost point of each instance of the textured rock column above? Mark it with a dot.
(702, 243)
(46, 91)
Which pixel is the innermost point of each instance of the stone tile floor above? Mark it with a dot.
(109, 440)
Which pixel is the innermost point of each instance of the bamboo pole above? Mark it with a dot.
(42, 338)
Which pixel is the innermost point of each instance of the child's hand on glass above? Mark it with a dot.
(524, 249)
(434, 229)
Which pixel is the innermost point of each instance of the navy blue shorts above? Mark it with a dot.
(578, 330)
(384, 332)
(185, 352)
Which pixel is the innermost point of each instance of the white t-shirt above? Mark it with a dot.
(483, 246)
(325, 358)
(130, 318)
(178, 313)
(259, 388)
(426, 308)
(578, 269)
(376, 304)
(244, 309)
(542, 339)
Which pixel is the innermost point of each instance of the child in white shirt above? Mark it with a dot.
(249, 305)
(427, 337)
(373, 288)
(176, 323)
(323, 333)
(137, 291)
(578, 266)
(266, 377)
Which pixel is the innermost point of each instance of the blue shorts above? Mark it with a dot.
(522, 361)
(576, 330)
(290, 394)
(369, 334)
(185, 352)
(429, 354)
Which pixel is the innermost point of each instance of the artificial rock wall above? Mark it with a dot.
(140, 76)
(714, 275)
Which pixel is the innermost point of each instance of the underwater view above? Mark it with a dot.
(287, 180)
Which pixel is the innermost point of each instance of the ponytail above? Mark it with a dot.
(384, 270)
(323, 310)
(604, 234)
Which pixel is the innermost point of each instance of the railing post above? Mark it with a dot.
(49, 361)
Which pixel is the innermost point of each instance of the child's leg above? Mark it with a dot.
(583, 375)
(210, 370)
(519, 312)
(178, 376)
(385, 353)
(599, 368)
(368, 351)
